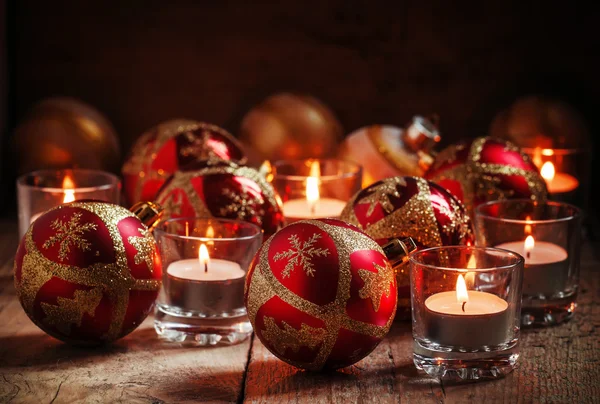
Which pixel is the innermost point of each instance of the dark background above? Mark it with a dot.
(142, 62)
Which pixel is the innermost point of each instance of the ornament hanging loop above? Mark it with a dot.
(149, 213)
(398, 251)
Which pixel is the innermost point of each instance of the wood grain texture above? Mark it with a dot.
(557, 365)
(35, 368)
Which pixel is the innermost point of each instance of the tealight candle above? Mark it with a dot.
(466, 304)
(42, 190)
(466, 318)
(544, 265)
(202, 297)
(313, 206)
(204, 284)
(558, 183)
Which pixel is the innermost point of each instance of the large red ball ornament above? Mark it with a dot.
(400, 207)
(487, 169)
(222, 189)
(170, 146)
(320, 294)
(87, 272)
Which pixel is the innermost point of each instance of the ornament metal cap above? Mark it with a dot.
(149, 213)
(397, 251)
(421, 134)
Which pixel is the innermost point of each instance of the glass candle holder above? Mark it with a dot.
(204, 269)
(315, 188)
(566, 171)
(466, 303)
(548, 236)
(41, 190)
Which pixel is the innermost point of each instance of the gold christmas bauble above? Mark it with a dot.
(65, 132)
(536, 121)
(290, 126)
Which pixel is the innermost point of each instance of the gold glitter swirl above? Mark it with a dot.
(144, 245)
(482, 180)
(71, 311)
(291, 338)
(114, 279)
(377, 284)
(264, 285)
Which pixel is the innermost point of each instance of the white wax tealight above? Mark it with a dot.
(474, 320)
(545, 266)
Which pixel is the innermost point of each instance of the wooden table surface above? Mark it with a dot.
(558, 364)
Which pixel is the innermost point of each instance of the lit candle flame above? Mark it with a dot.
(527, 225)
(529, 244)
(548, 171)
(462, 296)
(203, 256)
(68, 188)
(470, 276)
(312, 186)
(210, 233)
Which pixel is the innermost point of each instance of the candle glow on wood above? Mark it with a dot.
(68, 186)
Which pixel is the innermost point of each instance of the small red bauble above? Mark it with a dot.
(487, 169)
(320, 294)
(222, 189)
(87, 272)
(169, 146)
(400, 207)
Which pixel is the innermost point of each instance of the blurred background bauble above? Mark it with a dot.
(290, 126)
(62, 132)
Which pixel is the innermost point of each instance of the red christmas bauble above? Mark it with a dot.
(87, 272)
(170, 146)
(320, 294)
(222, 189)
(400, 207)
(487, 169)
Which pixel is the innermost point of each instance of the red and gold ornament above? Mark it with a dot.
(170, 146)
(222, 189)
(88, 272)
(320, 294)
(400, 207)
(486, 169)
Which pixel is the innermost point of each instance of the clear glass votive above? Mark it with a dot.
(41, 190)
(205, 262)
(466, 304)
(548, 236)
(315, 188)
(566, 171)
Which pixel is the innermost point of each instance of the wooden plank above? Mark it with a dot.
(136, 369)
(557, 364)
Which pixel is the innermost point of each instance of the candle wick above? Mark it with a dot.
(463, 306)
(528, 255)
(313, 208)
(206, 267)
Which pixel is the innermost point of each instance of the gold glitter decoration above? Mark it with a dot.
(71, 311)
(291, 338)
(377, 284)
(113, 279)
(415, 218)
(381, 192)
(264, 285)
(182, 180)
(142, 154)
(243, 205)
(480, 180)
(173, 205)
(300, 255)
(144, 245)
(68, 233)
